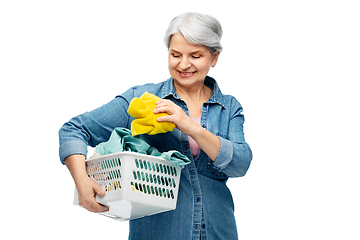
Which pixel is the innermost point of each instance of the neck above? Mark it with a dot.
(196, 92)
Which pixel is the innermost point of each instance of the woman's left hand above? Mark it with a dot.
(207, 141)
(176, 116)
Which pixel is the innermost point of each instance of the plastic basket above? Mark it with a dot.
(136, 185)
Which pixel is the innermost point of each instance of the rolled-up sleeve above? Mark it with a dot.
(72, 147)
(92, 128)
(235, 155)
(233, 159)
(225, 155)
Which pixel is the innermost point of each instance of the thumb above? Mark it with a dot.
(98, 190)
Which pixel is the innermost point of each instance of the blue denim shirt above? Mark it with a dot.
(205, 206)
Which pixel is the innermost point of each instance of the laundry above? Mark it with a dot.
(145, 120)
(121, 140)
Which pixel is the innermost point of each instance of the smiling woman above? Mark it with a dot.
(209, 131)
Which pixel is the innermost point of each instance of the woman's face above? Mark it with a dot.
(189, 63)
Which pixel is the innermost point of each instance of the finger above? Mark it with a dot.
(163, 101)
(164, 119)
(93, 206)
(161, 104)
(160, 101)
(89, 202)
(162, 109)
(98, 190)
(89, 205)
(99, 207)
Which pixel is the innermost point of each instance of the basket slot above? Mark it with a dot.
(106, 176)
(112, 186)
(152, 178)
(156, 191)
(92, 167)
(145, 164)
(155, 167)
(105, 164)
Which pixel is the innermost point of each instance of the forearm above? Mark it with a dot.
(76, 165)
(207, 141)
(87, 187)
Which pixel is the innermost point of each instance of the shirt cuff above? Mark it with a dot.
(72, 147)
(225, 154)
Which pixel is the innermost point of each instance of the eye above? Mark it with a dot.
(195, 56)
(175, 55)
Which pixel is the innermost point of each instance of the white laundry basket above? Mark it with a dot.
(136, 185)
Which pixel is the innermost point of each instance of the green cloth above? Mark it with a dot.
(121, 140)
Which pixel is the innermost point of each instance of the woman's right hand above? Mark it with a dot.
(87, 187)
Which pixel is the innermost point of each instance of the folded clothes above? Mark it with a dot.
(121, 140)
(145, 122)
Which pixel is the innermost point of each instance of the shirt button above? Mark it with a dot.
(198, 199)
(197, 226)
(203, 226)
(203, 125)
(192, 172)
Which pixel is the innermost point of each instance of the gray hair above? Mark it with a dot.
(199, 29)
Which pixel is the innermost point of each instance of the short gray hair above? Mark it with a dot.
(199, 29)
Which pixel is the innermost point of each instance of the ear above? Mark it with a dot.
(215, 58)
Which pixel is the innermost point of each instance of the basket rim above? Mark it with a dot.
(133, 154)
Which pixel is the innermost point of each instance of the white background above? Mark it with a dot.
(293, 65)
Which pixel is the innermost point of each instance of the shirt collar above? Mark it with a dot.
(216, 96)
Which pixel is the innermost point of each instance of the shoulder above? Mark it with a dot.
(228, 102)
(232, 102)
(138, 90)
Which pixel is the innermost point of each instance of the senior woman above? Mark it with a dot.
(209, 131)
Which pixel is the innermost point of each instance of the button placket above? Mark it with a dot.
(197, 203)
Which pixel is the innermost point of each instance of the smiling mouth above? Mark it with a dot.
(186, 74)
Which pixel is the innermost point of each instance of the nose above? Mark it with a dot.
(185, 63)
